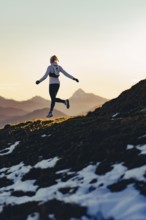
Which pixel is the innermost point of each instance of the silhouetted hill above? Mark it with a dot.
(9, 112)
(85, 167)
(28, 105)
(128, 102)
(3, 117)
(37, 114)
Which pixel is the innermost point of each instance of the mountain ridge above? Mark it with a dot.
(81, 92)
(39, 98)
(27, 105)
(10, 111)
(36, 114)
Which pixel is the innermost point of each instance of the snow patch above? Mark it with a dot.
(63, 171)
(16, 172)
(143, 136)
(34, 216)
(142, 148)
(115, 115)
(137, 173)
(43, 135)
(10, 149)
(52, 217)
(25, 186)
(49, 163)
(95, 195)
(129, 147)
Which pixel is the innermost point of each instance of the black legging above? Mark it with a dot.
(53, 89)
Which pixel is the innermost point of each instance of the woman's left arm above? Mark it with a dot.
(67, 74)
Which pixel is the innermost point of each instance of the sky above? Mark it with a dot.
(100, 42)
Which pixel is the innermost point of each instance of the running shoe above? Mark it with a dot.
(67, 103)
(49, 115)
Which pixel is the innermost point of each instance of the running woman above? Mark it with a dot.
(53, 71)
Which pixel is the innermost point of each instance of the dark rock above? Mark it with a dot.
(121, 185)
(21, 193)
(5, 182)
(62, 211)
(141, 186)
(103, 168)
(93, 181)
(67, 190)
(18, 212)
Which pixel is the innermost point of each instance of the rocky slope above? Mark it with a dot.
(27, 105)
(80, 168)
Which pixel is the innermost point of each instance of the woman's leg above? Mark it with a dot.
(53, 89)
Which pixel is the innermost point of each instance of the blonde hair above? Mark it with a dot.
(53, 59)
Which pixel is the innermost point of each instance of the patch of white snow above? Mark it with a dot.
(142, 148)
(49, 163)
(130, 146)
(136, 173)
(10, 149)
(43, 135)
(34, 216)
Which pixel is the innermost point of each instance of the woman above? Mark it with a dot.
(53, 72)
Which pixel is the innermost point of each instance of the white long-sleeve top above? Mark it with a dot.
(56, 69)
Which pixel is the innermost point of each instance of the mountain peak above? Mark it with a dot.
(78, 94)
(79, 91)
(36, 98)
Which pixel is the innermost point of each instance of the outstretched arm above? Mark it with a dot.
(67, 74)
(44, 77)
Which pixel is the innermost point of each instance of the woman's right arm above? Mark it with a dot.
(44, 77)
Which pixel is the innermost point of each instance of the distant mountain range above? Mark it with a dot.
(28, 105)
(40, 113)
(12, 111)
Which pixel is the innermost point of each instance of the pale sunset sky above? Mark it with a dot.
(100, 42)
